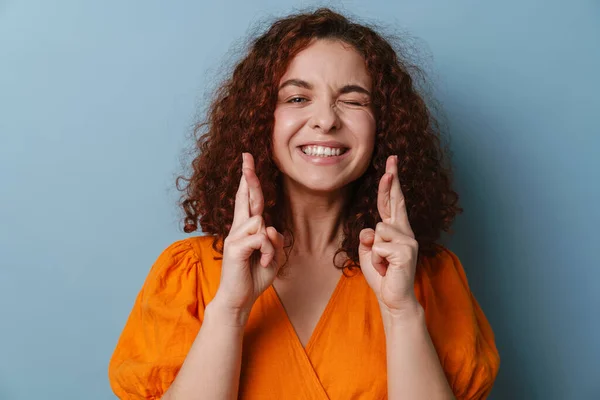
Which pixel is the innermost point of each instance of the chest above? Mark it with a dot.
(306, 300)
(340, 356)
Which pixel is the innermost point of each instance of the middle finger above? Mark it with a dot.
(398, 214)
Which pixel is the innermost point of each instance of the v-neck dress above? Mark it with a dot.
(345, 357)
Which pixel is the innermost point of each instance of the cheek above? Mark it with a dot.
(362, 123)
(287, 123)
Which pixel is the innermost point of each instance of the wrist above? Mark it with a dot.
(409, 314)
(218, 311)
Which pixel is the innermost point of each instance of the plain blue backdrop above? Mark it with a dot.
(97, 99)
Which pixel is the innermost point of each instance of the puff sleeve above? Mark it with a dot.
(163, 324)
(458, 328)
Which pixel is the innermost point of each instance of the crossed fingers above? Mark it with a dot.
(391, 205)
(249, 197)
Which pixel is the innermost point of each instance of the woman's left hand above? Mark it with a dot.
(388, 254)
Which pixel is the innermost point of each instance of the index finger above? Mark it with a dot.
(398, 213)
(241, 209)
(255, 194)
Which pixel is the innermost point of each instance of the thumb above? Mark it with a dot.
(366, 239)
(277, 239)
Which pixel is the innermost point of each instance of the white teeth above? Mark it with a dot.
(321, 151)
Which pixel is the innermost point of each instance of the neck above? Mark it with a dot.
(316, 220)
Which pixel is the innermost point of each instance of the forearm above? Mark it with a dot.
(413, 367)
(211, 369)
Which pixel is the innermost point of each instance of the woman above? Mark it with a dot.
(330, 283)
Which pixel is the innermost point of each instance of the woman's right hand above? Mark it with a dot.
(243, 276)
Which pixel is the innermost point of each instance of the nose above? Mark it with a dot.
(325, 117)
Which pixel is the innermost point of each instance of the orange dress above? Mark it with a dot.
(345, 357)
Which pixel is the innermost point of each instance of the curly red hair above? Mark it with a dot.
(241, 117)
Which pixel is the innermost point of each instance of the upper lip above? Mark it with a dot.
(328, 143)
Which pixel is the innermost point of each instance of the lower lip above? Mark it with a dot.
(323, 160)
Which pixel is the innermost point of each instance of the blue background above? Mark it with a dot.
(97, 100)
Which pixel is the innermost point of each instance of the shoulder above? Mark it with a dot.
(193, 246)
(204, 247)
(187, 260)
(443, 258)
(442, 288)
(458, 327)
(443, 273)
(191, 261)
(165, 319)
(195, 249)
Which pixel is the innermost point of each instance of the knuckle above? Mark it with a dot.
(239, 194)
(409, 242)
(230, 245)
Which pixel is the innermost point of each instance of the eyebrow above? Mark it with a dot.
(306, 85)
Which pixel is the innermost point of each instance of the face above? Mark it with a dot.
(324, 129)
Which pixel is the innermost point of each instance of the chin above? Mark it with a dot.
(318, 185)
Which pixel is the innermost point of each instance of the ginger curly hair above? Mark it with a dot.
(240, 118)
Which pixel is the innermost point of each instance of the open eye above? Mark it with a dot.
(296, 100)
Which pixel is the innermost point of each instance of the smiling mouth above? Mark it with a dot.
(323, 151)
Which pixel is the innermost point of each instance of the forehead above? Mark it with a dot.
(330, 62)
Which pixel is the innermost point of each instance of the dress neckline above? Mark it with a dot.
(321, 323)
